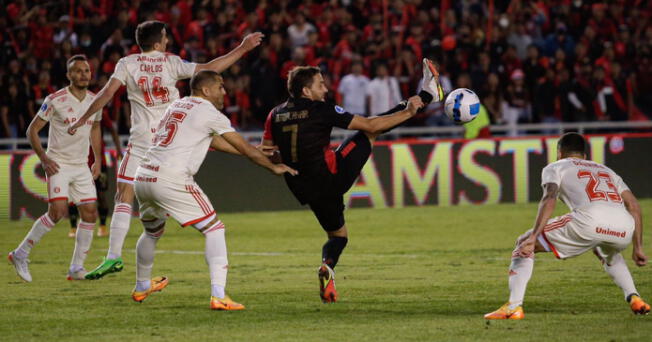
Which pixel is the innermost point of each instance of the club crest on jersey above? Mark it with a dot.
(339, 109)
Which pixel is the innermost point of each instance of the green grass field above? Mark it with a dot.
(414, 274)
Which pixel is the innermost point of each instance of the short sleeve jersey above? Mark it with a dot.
(301, 129)
(61, 109)
(583, 183)
(151, 79)
(183, 138)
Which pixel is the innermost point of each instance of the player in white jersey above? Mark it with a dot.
(65, 164)
(165, 186)
(605, 217)
(150, 77)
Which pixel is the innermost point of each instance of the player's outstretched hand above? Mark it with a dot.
(96, 169)
(50, 166)
(414, 104)
(280, 169)
(639, 257)
(252, 40)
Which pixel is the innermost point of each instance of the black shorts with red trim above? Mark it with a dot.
(350, 158)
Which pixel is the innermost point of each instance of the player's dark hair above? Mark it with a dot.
(74, 59)
(572, 143)
(299, 77)
(149, 33)
(203, 79)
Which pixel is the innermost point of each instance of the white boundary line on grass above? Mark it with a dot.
(163, 251)
(409, 256)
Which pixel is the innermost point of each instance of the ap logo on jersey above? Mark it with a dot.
(339, 110)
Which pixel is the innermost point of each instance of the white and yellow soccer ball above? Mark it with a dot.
(462, 105)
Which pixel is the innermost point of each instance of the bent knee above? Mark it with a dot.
(124, 193)
(154, 226)
(57, 212)
(341, 232)
(209, 225)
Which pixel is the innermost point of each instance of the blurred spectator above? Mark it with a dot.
(582, 94)
(579, 60)
(521, 40)
(42, 89)
(491, 96)
(353, 88)
(15, 112)
(299, 30)
(546, 103)
(269, 85)
(65, 32)
(382, 93)
(517, 102)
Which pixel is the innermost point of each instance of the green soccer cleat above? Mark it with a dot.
(107, 266)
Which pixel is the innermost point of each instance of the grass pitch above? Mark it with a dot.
(413, 274)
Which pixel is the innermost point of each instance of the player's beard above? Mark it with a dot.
(219, 104)
(81, 85)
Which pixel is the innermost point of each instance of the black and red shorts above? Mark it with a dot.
(350, 157)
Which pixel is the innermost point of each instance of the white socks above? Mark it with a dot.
(145, 257)
(520, 272)
(83, 239)
(620, 274)
(41, 226)
(119, 228)
(216, 258)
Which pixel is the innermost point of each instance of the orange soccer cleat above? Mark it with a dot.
(156, 284)
(225, 304)
(504, 312)
(431, 83)
(639, 306)
(327, 290)
(102, 231)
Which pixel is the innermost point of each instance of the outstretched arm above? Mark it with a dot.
(103, 97)
(220, 144)
(635, 210)
(222, 63)
(255, 155)
(379, 124)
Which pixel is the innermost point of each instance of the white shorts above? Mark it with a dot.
(129, 165)
(159, 198)
(73, 183)
(575, 233)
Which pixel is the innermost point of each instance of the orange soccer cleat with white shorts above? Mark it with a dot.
(504, 312)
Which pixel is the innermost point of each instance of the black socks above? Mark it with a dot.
(332, 249)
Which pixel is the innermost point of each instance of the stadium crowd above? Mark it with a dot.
(539, 61)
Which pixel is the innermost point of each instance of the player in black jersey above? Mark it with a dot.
(300, 130)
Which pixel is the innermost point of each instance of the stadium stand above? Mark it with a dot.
(530, 62)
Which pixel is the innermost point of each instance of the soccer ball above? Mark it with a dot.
(462, 105)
